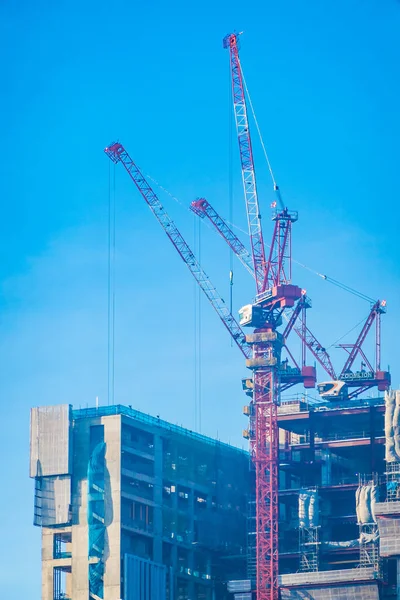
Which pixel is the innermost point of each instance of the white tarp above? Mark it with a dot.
(366, 498)
(50, 444)
(392, 426)
(308, 508)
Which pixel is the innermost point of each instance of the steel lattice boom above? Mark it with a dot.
(203, 208)
(247, 162)
(117, 153)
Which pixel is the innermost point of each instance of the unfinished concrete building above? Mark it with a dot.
(339, 502)
(134, 508)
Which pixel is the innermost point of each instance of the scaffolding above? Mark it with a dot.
(368, 532)
(309, 537)
(369, 546)
(309, 549)
(392, 481)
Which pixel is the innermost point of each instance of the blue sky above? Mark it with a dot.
(325, 84)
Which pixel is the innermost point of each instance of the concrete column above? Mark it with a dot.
(158, 498)
(326, 471)
(80, 540)
(47, 564)
(312, 436)
(372, 411)
(112, 574)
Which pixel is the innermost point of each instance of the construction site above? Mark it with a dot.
(132, 507)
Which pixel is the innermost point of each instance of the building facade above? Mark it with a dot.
(134, 508)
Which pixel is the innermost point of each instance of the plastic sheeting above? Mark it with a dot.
(50, 441)
(366, 498)
(392, 426)
(369, 538)
(346, 544)
(96, 518)
(52, 501)
(308, 508)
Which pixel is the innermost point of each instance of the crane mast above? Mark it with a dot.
(203, 209)
(274, 294)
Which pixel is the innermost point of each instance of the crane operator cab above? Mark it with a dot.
(333, 390)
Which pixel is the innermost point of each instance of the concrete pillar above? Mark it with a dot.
(326, 471)
(112, 574)
(47, 564)
(80, 540)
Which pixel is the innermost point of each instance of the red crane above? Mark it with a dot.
(247, 162)
(203, 209)
(117, 153)
(274, 294)
(262, 350)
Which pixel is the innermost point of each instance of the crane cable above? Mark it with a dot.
(331, 280)
(197, 334)
(111, 288)
(325, 277)
(258, 128)
(230, 189)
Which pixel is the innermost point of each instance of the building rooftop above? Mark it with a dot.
(119, 409)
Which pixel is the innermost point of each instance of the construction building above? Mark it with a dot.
(339, 501)
(135, 508)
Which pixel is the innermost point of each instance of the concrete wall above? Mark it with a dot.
(112, 575)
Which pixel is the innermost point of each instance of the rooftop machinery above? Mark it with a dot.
(276, 297)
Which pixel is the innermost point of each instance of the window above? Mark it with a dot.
(62, 545)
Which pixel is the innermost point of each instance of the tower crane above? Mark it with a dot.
(275, 296)
(262, 350)
(117, 153)
(296, 320)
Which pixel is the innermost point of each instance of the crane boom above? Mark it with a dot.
(246, 158)
(375, 313)
(117, 153)
(203, 208)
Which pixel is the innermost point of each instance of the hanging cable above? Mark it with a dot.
(258, 130)
(111, 288)
(195, 225)
(230, 190)
(231, 224)
(166, 191)
(113, 292)
(343, 336)
(199, 292)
